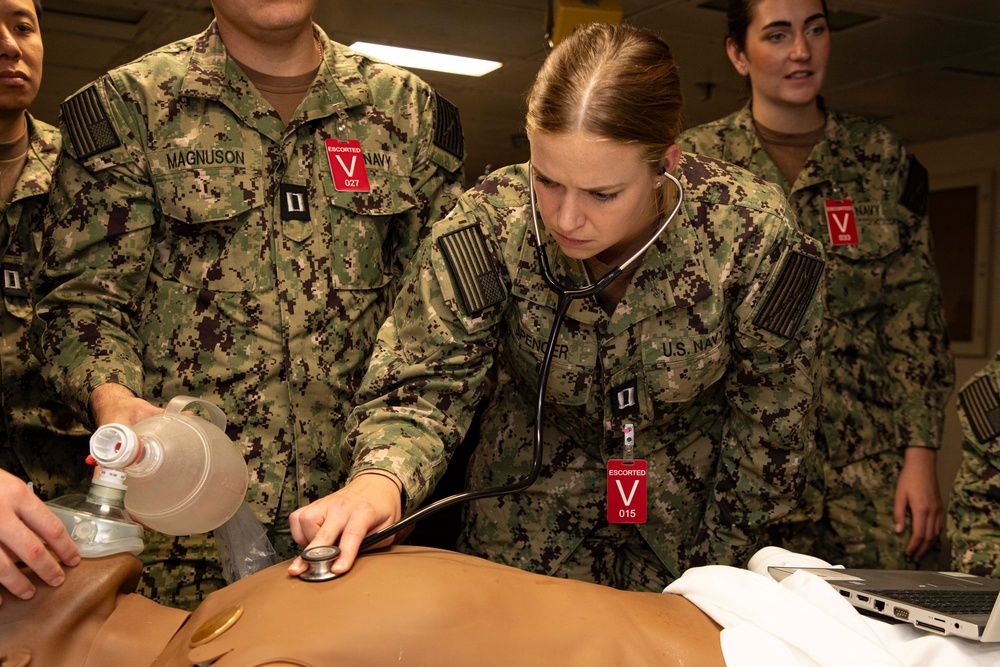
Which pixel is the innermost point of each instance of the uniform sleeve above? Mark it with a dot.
(427, 372)
(768, 444)
(97, 251)
(912, 321)
(437, 178)
(973, 522)
(974, 529)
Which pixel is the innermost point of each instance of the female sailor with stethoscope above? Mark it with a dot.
(704, 344)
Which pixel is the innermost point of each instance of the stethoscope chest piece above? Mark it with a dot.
(319, 560)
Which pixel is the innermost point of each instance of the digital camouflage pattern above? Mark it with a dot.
(40, 441)
(974, 512)
(199, 247)
(888, 368)
(722, 405)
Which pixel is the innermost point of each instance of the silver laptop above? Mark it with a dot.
(945, 603)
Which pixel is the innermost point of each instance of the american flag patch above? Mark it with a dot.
(448, 128)
(790, 297)
(88, 124)
(472, 269)
(981, 405)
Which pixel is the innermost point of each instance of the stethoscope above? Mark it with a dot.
(566, 296)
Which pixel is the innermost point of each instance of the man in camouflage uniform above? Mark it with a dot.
(710, 354)
(230, 221)
(40, 441)
(974, 513)
(885, 348)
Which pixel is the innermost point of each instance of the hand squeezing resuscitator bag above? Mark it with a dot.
(184, 474)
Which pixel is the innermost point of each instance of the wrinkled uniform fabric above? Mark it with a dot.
(722, 407)
(40, 441)
(974, 512)
(202, 249)
(885, 352)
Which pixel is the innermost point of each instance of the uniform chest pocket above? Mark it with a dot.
(215, 237)
(572, 370)
(363, 230)
(878, 235)
(678, 369)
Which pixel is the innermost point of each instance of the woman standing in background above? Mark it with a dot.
(856, 189)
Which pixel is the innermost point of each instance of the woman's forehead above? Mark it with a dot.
(583, 157)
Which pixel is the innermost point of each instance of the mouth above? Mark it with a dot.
(801, 74)
(567, 241)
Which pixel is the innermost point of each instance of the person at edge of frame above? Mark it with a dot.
(40, 440)
(706, 343)
(885, 351)
(230, 221)
(974, 510)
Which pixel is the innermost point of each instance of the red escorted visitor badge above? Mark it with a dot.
(840, 220)
(626, 491)
(347, 164)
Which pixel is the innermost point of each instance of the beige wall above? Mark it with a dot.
(944, 159)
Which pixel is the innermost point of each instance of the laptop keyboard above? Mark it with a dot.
(950, 602)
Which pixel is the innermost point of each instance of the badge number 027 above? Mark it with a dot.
(347, 164)
(626, 491)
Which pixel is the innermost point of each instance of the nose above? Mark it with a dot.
(571, 215)
(800, 48)
(9, 47)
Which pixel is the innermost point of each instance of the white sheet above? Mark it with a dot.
(803, 622)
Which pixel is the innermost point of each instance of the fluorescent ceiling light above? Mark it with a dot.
(438, 62)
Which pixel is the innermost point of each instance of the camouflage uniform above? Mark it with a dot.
(713, 342)
(200, 247)
(39, 440)
(974, 514)
(888, 369)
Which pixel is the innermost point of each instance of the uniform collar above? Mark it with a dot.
(212, 74)
(43, 153)
(826, 163)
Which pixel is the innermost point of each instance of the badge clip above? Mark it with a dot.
(629, 454)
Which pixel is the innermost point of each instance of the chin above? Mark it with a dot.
(577, 251)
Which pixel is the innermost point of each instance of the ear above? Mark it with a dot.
(737, 58)
(671, 157)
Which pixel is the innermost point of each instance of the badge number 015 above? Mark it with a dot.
(626, 491)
